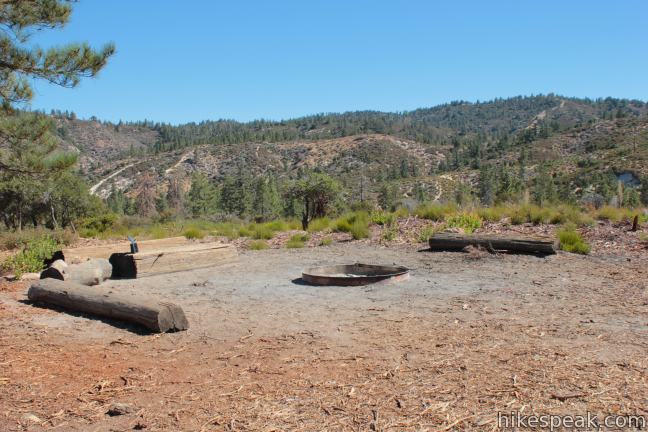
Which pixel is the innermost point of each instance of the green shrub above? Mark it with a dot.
(492, 214)
(342, 225)
(277, 225)
(193, 233)
(436, 212)
(389, 233)
(227, 229)
(519, 216)
(359, 230)
(245, 232)
(30, 259)
(572, 241)
(426, 233)
(157, 232)
(258, 245)
(401, 212)
(469, 222)
(356, 223)
(91, 226)
(300, 237)
(326, 241)
(319, 224)
(294, 244)
(382, 218)
(612, 214)
(20, 239)
(261, 232)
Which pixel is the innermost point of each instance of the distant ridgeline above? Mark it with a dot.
(544, 148)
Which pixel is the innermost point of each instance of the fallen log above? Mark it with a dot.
(104, 251)
(157, 316)
(91, 272)
(182, 258)
(457, 242)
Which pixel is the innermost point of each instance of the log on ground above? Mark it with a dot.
(91, 272)
(157, 316)
(182, 258)
(104, 251)
(457, 242)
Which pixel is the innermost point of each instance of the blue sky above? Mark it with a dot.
(192, 60)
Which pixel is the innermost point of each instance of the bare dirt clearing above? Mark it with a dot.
(460, 340)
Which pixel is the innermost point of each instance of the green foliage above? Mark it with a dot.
(258, 245)
(202, 199)
(319, 224)
(572, 241)
(389, 233)
(426, 233)
(245, 232)
(382, 218)
(316, 192)
(359, 230)
(30, 259)
(469, 222)
(21, 239)
(492, 214)
(261, 232)
(613, 214)
(389, 196)
(94, 225)
(436, 212)
(303, 237)
(194, 233)
(326, 241)
(297, 241)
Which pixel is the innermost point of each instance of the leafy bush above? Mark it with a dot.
(492, 214)
(469, 222)
(356, 223)
(612, 214)
(30, 259)
(572, 241)
(258, 245)
(382, 218)
(261, 232)
(426, 233)
(359, 230)
(193, 233)
(319, 224)
(294, 243)
(20, 239)
(245, 232)
(300, 237)
(91, 226)
(277, 225)
(326, 241)
(436, 212)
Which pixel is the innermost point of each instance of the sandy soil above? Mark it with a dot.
(463, 338)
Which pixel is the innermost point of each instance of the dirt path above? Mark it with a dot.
(461, 340)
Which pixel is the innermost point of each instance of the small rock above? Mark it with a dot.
(117, 409)
(30, 276)
(29, 417)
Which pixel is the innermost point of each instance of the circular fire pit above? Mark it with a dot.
(353, 274)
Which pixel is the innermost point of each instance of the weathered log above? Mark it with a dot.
(190, 257)
(91, 272)
(158, 316)
(456, 242)
(80, 254)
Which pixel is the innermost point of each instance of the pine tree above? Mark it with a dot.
(202, 199)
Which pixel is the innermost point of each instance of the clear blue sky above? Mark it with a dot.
(190, 60)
